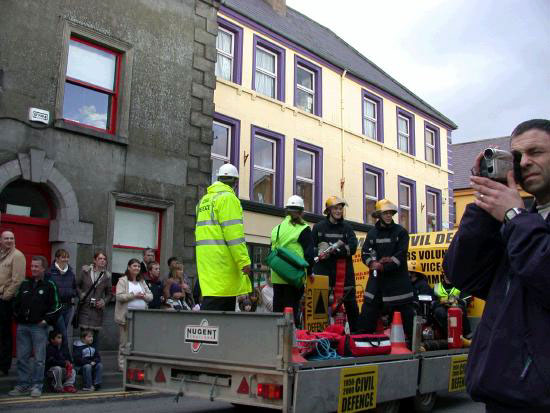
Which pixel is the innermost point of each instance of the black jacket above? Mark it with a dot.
(421, 287)
(54, 357)
(393, 284)
(326, 231)
(156, 289)
(65, 283)
(35, 301)
(508, 266)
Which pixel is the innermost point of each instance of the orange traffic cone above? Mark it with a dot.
(397, 336)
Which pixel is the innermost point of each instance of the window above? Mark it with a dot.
(307, 88)
(405, 131)
(267, 160)
(94, 78)
(91, 85)
(229, 51)
(433, 209)
(225, 57)
(225, 145)
(308, 174)
(373, 116)
(407, 204)
(134, 230)
(268, 69)
(431, 141)
(373, 187)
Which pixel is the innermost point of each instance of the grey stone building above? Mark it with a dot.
(125, 152)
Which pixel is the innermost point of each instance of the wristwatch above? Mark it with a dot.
(512, 213)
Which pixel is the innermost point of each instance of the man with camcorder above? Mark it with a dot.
(501, 253)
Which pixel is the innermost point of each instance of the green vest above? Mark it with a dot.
(441, 292)
(288, 238)
(220, 244)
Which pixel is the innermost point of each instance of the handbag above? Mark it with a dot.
(287, 264)
(76, 318)
(359, 345)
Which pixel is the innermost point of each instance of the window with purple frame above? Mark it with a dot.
(431, 143)
(268, 69)
(433, 209)
(407, 204)
(229, 51)
(373, 189)
(405, 131)
(225, 145)
(307, 86)
(308, 175)
(373, 116)
(267, 163)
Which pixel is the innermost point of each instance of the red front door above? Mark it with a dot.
(31, 235)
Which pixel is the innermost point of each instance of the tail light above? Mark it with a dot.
(270, 391)
(136, 375)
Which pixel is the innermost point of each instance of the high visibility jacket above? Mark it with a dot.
(288, 238)
(220, 244)
(445, 294)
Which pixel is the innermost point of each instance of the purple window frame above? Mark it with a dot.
(237, 47)
(435, 130)
(412, 184)
(379, 113)
(438, 198)
(318, 152)
(381, 190)
(318, 73)
(280, 161)
(410, 116)
(235, 125)
(280, 52)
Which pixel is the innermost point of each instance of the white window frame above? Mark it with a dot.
(430, 214)
(368, 118)
(308, 180)
(231, 57)
(405, 135)
(406, 207)
(305, 89)
(264, 169)
(430, 147)
(267, 73)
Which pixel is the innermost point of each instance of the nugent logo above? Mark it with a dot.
(201, 334)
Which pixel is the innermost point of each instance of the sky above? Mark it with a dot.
(485, 64)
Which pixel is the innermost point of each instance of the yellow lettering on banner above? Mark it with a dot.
(358, 388)
(457, 376)
(316, 304)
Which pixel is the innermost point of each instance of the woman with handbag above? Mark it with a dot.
(94, 289)
(131, 293)
(294, 236)
(176, 292)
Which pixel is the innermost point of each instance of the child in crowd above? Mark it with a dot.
(57, 366)
(88, 361)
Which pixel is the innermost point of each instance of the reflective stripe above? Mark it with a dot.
(369, 260)
(383, 240)
(396, 260)
(396, 297)
(231, 222)
(334, 235)
(210, 242)
(236, 241)
(369, 295)
(204, 223)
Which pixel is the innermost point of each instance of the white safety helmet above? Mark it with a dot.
(295, 202)
(228, 170)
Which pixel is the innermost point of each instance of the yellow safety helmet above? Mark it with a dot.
(332, 201)
(382, 206)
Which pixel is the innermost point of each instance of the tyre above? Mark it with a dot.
(424, 403)
(388, 407)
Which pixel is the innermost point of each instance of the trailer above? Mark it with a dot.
(248, 359)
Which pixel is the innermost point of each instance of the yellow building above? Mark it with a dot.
(299, 111)
(463, 156)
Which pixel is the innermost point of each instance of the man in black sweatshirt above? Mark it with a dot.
(35, 306)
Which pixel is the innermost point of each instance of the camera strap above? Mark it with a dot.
(92, 287)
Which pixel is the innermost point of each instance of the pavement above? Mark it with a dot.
(112, 382)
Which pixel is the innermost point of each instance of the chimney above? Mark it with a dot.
(279, 6)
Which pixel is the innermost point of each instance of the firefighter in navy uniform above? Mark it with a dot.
(385, 250)
(326, 233)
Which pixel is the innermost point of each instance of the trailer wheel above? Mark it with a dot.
(424, 403)
(388, 407)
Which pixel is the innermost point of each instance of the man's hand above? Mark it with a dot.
(100, 303)
(376, 266)
(496, 198)
(247, 270)
(385, 260)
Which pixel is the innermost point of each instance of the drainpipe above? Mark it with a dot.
(342, 178)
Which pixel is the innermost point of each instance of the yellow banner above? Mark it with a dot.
(457, 376)
(358, 387)
(316, 303)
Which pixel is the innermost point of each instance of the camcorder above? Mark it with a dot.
(496, 163)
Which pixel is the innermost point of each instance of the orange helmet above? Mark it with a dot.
(382, 206)
(332, 201)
